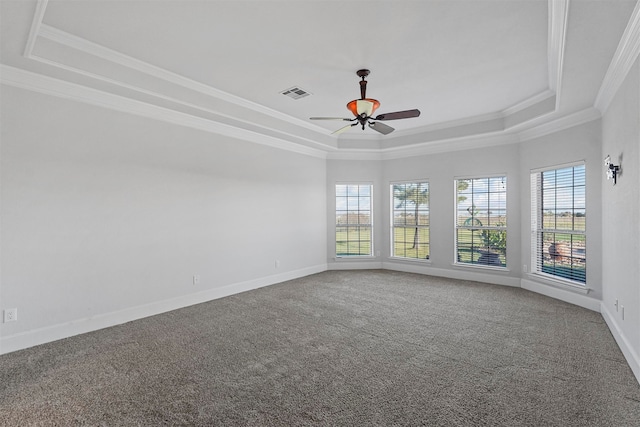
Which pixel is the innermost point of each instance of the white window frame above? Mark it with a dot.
(346, 225)
(491, 259)
(538, 229)
(393, 226)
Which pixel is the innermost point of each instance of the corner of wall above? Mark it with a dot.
(633, 359)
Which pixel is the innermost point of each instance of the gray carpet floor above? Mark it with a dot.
(345, 348)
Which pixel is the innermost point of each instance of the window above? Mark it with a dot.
(558, 220)
(410, 220)
(353, 220)
(481, 221)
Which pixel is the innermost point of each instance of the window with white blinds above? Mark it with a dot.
(410, 220)
(353, 220)
(481, 221)
(558, 223)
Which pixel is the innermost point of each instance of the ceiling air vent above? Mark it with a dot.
(295, 92)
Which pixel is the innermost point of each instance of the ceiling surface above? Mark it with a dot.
(470, 67)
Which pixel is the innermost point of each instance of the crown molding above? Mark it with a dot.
(560, 124)
(451, 145)
(466, 133)
(355, 154)
(89, 48)
(558, 18)
(452, 124)
(16, 77)
(19, 78)
(41, 7)
(427, 148)
(490, 122)
(623, 59)
(528, 103)
(452, 129)
(96, 50)
(470, 142)
(188, 105)
(462, 128)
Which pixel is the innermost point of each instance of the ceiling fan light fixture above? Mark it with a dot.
(363, 106)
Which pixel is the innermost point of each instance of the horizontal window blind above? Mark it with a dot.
(481, 221)
(410, 220)
(353, 220)
(558, 223)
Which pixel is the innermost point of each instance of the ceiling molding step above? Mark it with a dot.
(462, 128)
(19, 78)
(459, 144)
(80, 45)
(472, 129)
(355, 154)
(560, 124)
(424, 148)
(104, 53)
(526, 115)
(621, 63)
(531, 108)
(527, 103)
(558, 17)
(179, 103)
(449, 125)
(41, 7)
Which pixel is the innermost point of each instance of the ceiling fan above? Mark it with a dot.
(364, 107)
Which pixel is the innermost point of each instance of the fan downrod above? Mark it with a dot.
(363, 83)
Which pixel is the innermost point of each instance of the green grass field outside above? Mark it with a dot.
(405, 244)
(353, 240)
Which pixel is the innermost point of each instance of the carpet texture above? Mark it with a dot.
(337, 348)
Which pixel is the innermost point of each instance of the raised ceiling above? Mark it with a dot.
(472, 67)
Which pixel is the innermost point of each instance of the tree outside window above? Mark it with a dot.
(481, 221)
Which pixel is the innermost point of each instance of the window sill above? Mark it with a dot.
(560, 284)
(480, 267)
(413, 260)
(354, 257)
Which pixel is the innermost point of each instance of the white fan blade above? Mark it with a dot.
(342, 129)
(330, 118)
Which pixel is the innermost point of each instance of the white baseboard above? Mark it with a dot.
(35, 337)
(357, 264)
(627, 350)
(561, 294)
(460, 274)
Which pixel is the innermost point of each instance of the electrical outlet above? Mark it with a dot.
(277, 263)
(10, 315)
(196, 279)
(524, 268)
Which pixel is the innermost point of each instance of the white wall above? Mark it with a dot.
(515, 160)
(574, 144)
(354, 172)
(441, 170)
(621, 218)
(106, 216)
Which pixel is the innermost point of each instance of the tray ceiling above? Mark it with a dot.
(471, 67)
